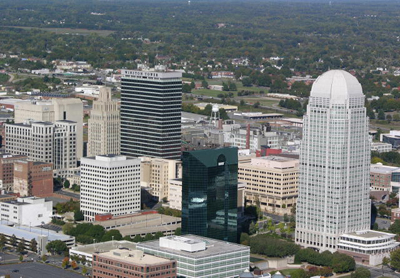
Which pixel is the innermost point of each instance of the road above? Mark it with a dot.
(383, 223)
(377, 272)
(67, 193)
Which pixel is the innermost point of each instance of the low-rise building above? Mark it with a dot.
(7, 161)
(87, 251)
(199, 256)
(132, 264)
(271, 183)
(381, 177)
(141, 224)
(29, 211)
(33, 178)
(381, 147)
(367, 247)
(41, 236)
(226, 107)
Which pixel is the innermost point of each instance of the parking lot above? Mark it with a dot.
(36, 270)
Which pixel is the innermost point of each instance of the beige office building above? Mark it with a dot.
(271, 181)
(57, 109)
(104, 126)
(156, 172)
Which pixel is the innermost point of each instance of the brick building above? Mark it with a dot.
(133, 264)
(7, 169)
(32, 178)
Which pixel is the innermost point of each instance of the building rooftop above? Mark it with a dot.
(338, 86)
(28, 233)
(213, 247)
(105, 246)
(133, 257)
(382, 169)
(369, 234)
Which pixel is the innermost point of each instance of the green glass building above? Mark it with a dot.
(209, 193)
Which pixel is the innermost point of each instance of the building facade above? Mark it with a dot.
(271, 183)
(104, 125)
(132, 264)
(33, 178)
(156, 172)
(7, 161)
(30, 211)
(200, 257)
(109, 184)
(57, 109)
(381, 177)
(381, 147)
(334, 163)
(175, 194)
(44, 141)
(209, 193)
(151, 113)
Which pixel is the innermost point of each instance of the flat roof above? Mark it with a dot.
(28, 233)
(213, 247)
(382, 169)
(140, 259)
(369, 234)
(104, 246)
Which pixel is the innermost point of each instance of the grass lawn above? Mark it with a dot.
(287, 271)
(262, 101)
(210, 93)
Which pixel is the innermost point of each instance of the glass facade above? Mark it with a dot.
(209, 193)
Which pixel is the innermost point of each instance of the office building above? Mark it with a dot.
(381, 177)
(104, 125)
(33, 178)
(271, 183)
(133, 264)
(57, 109)
(155, 173)
(29, 211)
(381, 147)
(151, 113)
(45, 142)
(109, 184)
(200, 257)
(209, 193)
(7, 161)
(334, 163)
(175, 194)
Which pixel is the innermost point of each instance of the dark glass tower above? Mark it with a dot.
(209, 193)
(151, 113)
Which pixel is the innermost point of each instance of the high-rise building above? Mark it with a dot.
(156, 172)
(209, 193)
(109, 184)
(334, 163)
(45, 142)
(151, 113)
(104, 125)
(57, 109)
(271, 183)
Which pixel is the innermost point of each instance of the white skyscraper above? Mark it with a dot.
(109, 184)
(334, 163)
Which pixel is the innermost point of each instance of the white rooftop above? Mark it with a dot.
(338, 86)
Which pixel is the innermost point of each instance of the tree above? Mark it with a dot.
(381, 115)
(246, 82)
(74, 265)
(66, 184)
(225, 87)
(56, 246)
(285, 218)
(244, 239)
(192, 85)
(396, 117)
(137, 238)
(78, 215)
(13, 240)
(21, 246)
(44, 258)
(21, 258)
(395, 259)
(389, 118)
(111, 235)
(256, 105)
(342, 263)
(178, 231)
(252, 228)
(361, 272)
(3, 242)
(84, 270)
(204, 84)
(385, 262)
(186, 88)
(232, 86)
(148, 237)
(67, 228)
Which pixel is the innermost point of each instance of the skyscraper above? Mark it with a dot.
(334, 163)
(209, 193)
(104, 125)
(151, 113)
